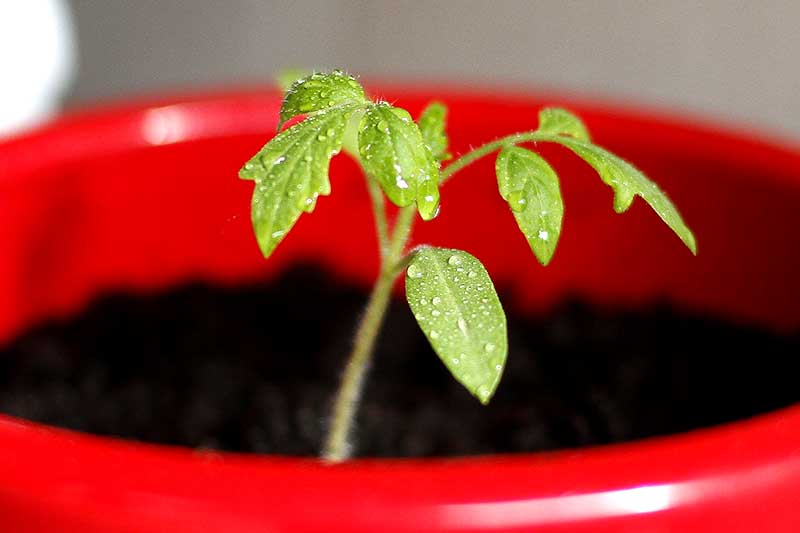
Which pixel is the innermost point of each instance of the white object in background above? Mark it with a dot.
(37, 60)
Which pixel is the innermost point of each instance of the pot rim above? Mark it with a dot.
(668, 472)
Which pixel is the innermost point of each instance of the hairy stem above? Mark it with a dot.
(337, 446)
(379, 211)
(485, 149)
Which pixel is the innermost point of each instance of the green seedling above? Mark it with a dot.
(448, 290)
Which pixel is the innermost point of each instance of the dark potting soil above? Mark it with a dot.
(254, 369)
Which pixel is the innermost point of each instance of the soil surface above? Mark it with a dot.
(253, 369)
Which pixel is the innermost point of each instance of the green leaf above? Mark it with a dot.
(457, 308)
(558, 121)
(628, 182)
(530, 186)
(321, 91)
(291, 171)
(393, 152)
(432, 125)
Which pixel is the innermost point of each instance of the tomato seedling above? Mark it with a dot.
(448, 290)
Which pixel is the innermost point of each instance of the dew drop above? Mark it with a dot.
(489, 347)
(454, 260)
(473, 274)
(462, 325)
(434, 334)
(517, 200)
(423, 301)
(383, 125)
(321, 137)
(308, 158)
(279, 160)
(276, 234)
(414, 272)
(543, 235)
(436, 312)
(436, 300)
(248, 166)
(456, 360)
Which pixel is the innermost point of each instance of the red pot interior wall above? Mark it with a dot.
(144, 197)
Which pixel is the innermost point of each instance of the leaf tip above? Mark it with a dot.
(249, 170)
(426, 213)
(267, 245)
(690, 241)
(486, 398)
(428, 203)
(544, 257)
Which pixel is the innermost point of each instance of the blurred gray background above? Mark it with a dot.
(721, 59)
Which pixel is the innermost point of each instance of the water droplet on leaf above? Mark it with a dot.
(413, 271)
(517, 200)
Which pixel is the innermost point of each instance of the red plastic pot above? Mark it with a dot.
(145, 196)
